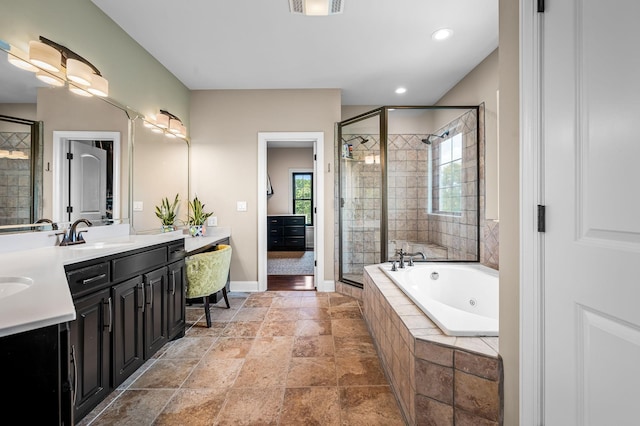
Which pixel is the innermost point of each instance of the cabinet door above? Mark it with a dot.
(155, 311)
(176, 300)
(90, 351)
(128, 298)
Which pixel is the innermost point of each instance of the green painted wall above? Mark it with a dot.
(136, 79)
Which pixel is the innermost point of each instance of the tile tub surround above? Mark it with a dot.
(437, 379)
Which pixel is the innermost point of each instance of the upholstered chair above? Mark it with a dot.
(207, 274)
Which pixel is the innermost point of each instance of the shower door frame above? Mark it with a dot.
(383, 114)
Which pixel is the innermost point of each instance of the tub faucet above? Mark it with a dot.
(401, 254)
(412, 255)
(72, 236)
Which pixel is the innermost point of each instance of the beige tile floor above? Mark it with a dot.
(274, 358)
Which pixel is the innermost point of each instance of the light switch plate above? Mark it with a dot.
(241, 206)
(212, 221)
(137, 206)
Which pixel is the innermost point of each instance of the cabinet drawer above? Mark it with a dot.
(176, 251)
(88, 279)
(140, 262)
(275, 230)
(275, 220)
(294, 220)
(294, 231)
(294, 242)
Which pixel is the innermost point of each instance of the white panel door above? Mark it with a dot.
(87, 182)
(591, 109)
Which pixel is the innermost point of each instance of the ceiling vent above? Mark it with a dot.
(316, 7)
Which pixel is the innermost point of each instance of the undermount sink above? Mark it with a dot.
(97, 246)
(12, 285)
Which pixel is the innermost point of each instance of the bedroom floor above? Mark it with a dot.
(281, 358)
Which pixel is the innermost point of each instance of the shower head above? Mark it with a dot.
(429, 139)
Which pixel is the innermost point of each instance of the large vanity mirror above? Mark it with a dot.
(69, 157)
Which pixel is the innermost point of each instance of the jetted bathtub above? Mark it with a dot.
(461, 298)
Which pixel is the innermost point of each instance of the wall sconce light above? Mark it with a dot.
(13, 155)
(167, 123)
(47, 56)
(316, 7)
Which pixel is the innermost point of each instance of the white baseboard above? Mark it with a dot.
(328, 286)
(244, 286)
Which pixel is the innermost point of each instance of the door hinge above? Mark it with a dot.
(541, 218)
(69, 209)
(315, 210)
(540, 8)
(315, 157)
(69, 156)
(315, 263)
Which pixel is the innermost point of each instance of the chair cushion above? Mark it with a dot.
(207, 272)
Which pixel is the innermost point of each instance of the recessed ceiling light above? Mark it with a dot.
(400, 90)
(442, 34)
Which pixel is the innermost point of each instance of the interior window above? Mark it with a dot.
(303, 195)
(450, 175)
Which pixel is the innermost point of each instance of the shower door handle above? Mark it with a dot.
(341, 202)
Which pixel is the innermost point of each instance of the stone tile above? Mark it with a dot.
(465, 419)
(356, 371)
(475, 344)
(340, 300)
(91, 416)
(274, 347)
(136, 407)
(251, 407)
(305, 372)
(431, 412)
(281, 314)
(417, 321)
(354, 346)
(317, 406)
(313, 346)
(314, 313)
(369, 405)
(345, 312)
(313, 327)
(477, 396)
(314, 302)
(165, 374)
(195, 407)
(250, 314)
(349, 327)
(262, 373)
(434, 381)
(214, 373)
(200, 329)
(488, 368)
(230, 347)
(434, 353)
(242, 329)
(188, 347)
(277, 328)
(286, 302)
(258, 302)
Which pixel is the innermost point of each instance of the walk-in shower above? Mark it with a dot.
(409, 178)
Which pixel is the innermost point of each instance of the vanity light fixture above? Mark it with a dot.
(316, 7)
(401, 90)
(4, 153)
(167, 123)
(162, 120)
(45, 56)
(57, 59)
(79, 91)
(50, 79)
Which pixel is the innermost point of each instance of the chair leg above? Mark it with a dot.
(224, 294)
(207, 312)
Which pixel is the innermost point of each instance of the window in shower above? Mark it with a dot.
(303, 195)
(449, 172)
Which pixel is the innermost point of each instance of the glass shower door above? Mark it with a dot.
(361, 196)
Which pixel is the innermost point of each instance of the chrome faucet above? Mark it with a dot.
(72, 236)
(401, 253)
(412, 255)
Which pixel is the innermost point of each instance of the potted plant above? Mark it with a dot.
(166, 212)
(197, 217)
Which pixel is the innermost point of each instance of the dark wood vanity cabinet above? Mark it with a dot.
(127, 307)
(286, 233)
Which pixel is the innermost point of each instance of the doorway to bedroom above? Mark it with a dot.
(290, 216)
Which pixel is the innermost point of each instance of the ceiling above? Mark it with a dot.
(368, 51)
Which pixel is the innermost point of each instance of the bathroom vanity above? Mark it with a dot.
(89, 317)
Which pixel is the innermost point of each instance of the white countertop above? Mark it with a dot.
(47, 301)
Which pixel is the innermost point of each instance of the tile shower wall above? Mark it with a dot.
(15, 180)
